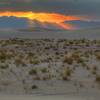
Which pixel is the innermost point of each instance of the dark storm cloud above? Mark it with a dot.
(70, 7)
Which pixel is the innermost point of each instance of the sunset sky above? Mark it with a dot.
(68, 7)
(50, 11)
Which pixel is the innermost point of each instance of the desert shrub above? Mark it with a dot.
(95, 68)
(30, 54)
(34, 87)
(98, 78)
(87, 67)
(4, 66)
(44, 70)
(98, 56)
(33, 72)
(75, 55)
(80, 60)
(77, 58)
(36, 78)
(47, 77)
(3, 57)
(34, 61)
(66, 74)
(84, 65)
(94, 72)
(65, 78)
(68, 60)
(19, 61)
(86, 54)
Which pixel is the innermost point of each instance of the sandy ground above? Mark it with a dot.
(54, 97)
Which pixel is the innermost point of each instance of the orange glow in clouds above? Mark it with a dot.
(43, 17)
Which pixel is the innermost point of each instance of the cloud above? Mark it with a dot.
(68, 7)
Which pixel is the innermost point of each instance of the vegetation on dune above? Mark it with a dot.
(6, 66)
(34, 87)
(44, 70)
(66, 73)
(98, 56)
(49, 59)
(34, 61)
(18, 61)
(68, 60)
(33, 72)
(97, 79)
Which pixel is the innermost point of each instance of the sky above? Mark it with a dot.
(31, 9)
